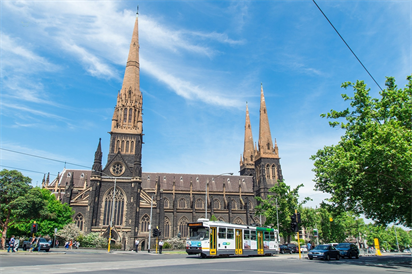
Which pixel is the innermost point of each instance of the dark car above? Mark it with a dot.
(44, 245)
(294, 248)
(285, 249)
(324, 252)
(348, 250)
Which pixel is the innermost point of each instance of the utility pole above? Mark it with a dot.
(277, 214)
(206, 200)
(396, 234)
(297, 224)
(150, 224)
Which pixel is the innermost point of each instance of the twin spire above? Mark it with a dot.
(265, 145)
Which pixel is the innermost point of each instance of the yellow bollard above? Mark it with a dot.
(378, 250)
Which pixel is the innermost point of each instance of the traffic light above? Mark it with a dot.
(160, 232)
(298, 220)
(155, 232)
(33, 228)
(315, 233)
(293, 217)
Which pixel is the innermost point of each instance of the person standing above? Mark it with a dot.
(136, 244)
(160, 246)
(70, 244)
(11, 244)
(309, 245)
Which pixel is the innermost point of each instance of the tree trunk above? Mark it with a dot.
(3, 236)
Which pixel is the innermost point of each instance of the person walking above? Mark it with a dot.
(70, 244)
(136, 244)
(309, 245)
(32, 244)
(160, 246)
(11, 244)
(38, 243)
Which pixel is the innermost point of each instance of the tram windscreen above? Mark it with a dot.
(199, 233)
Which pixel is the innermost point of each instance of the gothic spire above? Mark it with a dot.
(265, 139)
(97, 165)
(248, 151)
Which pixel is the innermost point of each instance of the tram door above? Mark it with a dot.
(239, 242)
(213, 239)
(260, 242)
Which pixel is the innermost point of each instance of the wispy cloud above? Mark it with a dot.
(32, 111)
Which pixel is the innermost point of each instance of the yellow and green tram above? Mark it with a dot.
(213, 239)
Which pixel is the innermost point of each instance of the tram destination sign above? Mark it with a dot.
(195, 224)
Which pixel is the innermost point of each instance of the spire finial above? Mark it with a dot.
(137, 11)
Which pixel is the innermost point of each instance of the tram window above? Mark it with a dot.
(247, 234)
(266, 236)
(230, 234)
(272, 236)
(222, 232)
(199, 233)
(253, 236)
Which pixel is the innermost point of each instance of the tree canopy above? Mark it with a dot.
(287, 202)
(370, 170)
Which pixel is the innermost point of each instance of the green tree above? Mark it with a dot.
(58, 215)
(213, 218)
(18, 200)
(287, 201)
(369, 171)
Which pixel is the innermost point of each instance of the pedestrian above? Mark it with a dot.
(57, 243)
(38, 243)
(66, 245)
(16, 244)
(32, 244)
(309, 245)
(160, 246)
(75, 244)
(136, 244)
(11, 244)
(70, 244)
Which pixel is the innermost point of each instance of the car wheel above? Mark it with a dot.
(337, 257)
(350, 256)
(47, 250)
(310, 258)
(327, 258)
(24, 248)
(357, 256)
(290, 252)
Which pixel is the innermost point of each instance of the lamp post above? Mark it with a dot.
(228, 173)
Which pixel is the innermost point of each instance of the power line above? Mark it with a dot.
(50, 159)
(347, 44)
(16, 168)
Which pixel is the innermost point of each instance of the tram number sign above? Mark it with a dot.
(196, 224)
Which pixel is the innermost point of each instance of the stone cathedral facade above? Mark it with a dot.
(177, 198)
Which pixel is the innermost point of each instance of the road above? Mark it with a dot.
(129, 262)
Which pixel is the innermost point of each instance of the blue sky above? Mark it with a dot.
(62, 64)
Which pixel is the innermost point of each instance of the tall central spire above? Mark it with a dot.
(265, 138)
(127, 117)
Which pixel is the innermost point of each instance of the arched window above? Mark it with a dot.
(199, 203)
(268, 146)
(251, 158)
(122, 146)
(166, 203)
(119, 203)
(125, 115)
(216, 204)
(78, 219)
(166, 228)
(130, 115)
(221, 219)
(182, 203)
(267, 171)
(144, 223)
(183, 229)
(238, 221)
(117, 146)
(131, 147)
(274, 173)
(127, 146)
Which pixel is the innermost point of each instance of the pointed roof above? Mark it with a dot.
(265, 144)
(248, 151)
(131, 74)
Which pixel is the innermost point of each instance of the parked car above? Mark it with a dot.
(285, 249)
(294, 248)
(303, 248)
(324, 252)
(44, 245)
(348, 250)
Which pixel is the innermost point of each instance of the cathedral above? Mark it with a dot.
(121, 195)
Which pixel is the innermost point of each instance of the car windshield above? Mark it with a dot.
(198, 233)
(322, 247)
(343, 246)
(43, 240)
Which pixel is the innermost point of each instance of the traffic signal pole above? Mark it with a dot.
(297, 224)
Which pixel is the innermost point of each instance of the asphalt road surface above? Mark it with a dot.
(129, 262)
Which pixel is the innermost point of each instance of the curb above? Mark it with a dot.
(30, 253)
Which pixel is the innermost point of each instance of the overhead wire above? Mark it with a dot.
(347, 45)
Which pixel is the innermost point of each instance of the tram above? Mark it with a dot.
(213, 239)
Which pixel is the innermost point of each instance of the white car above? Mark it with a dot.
(303, 248)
